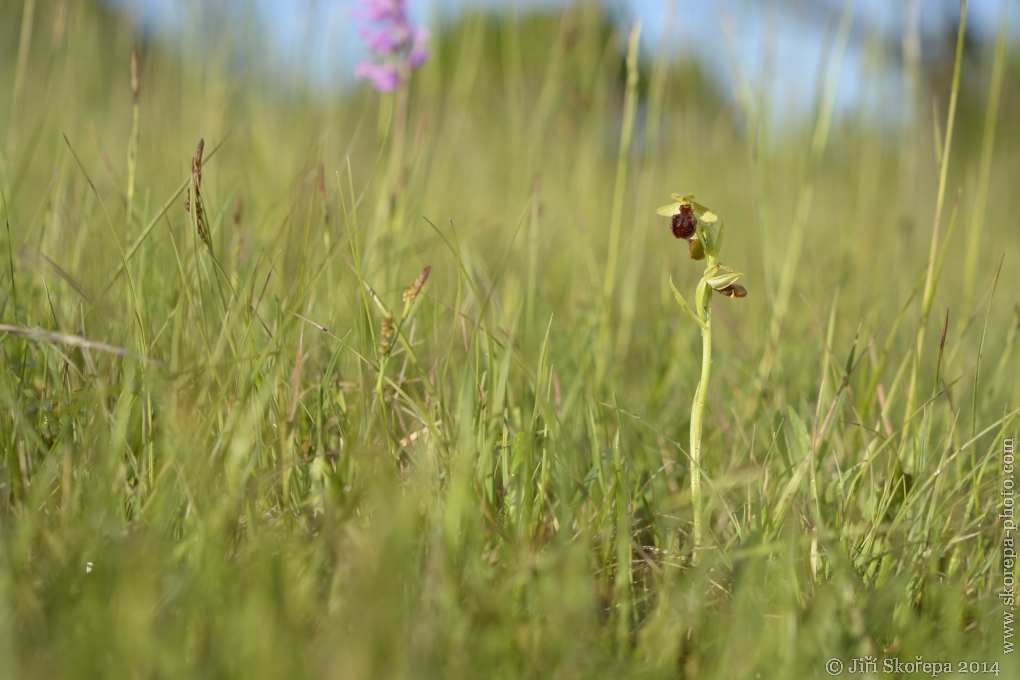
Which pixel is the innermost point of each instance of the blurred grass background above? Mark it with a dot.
(514, 501)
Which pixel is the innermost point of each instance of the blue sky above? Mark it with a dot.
(316, 38)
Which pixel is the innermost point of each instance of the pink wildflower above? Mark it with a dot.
(396, 46)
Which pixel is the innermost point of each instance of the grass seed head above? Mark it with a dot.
(135, 84)
(196, 163)
(386, 333)
(196, 183)
(411, 293)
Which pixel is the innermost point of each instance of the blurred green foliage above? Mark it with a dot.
(512, 499)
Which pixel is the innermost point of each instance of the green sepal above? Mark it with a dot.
(668, 210)
(699, 297)
(717, 241)
(720, 277)
(707, 237)
(685, 199)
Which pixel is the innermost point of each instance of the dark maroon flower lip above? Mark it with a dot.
(684, 224)
(734, 290)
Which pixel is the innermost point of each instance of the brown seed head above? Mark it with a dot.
(386, 333)
(196, 164)
(200, 224)
(135, 84)
(411, 294)
(322, 191)
(196, 183)
(239, 241)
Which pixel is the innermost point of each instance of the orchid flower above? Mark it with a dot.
(397, 47)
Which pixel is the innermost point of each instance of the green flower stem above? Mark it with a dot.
(704, 305)
(697, 414)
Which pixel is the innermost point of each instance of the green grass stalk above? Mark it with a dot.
(622, 161)
(795, 240)
(619, 190)
(132, 155)
(24, 44)
(977, 220)
(931, 278)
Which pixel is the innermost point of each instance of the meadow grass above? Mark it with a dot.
(245, 451)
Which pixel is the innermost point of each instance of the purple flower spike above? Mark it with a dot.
(385, 42)
(396, 46)
(419, 53)
(383, 78)
(380, 10)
